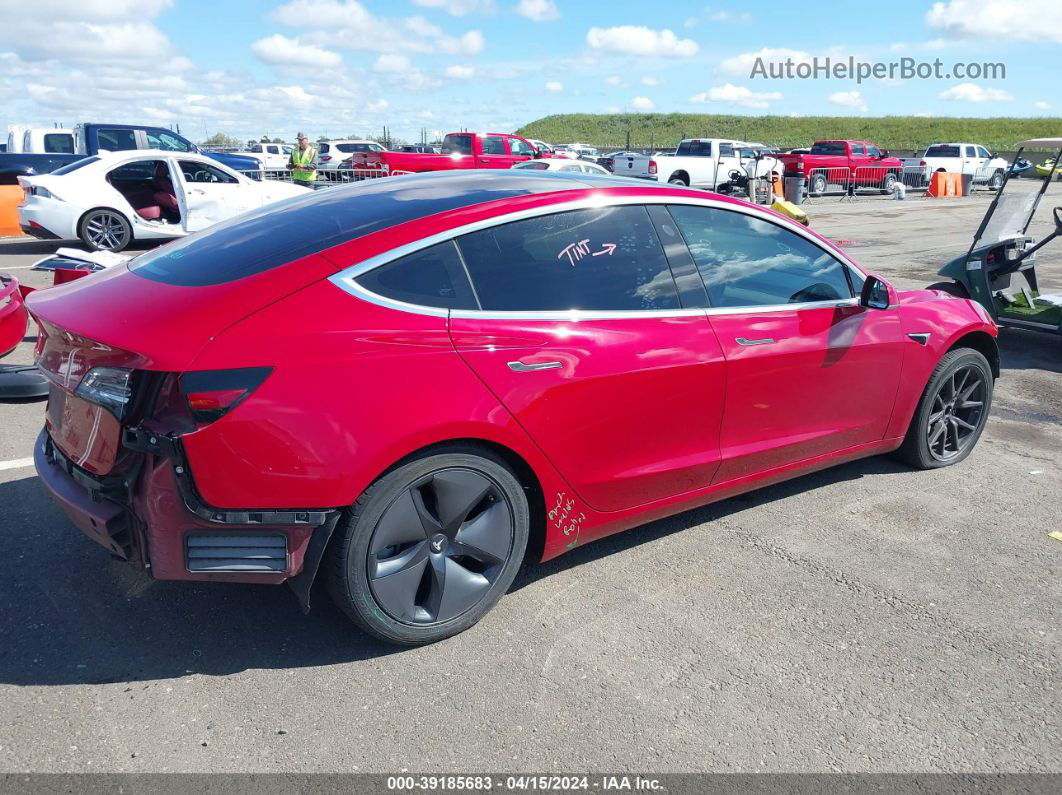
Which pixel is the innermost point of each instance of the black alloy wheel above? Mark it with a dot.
(431, 546)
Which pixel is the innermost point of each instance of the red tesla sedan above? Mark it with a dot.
(416, 383)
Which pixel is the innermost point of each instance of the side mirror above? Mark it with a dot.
(877, 293)
(538, 154)
(884, 153)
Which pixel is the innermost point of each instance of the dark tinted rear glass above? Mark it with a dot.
(607, 258)
(694, 149)
(942, 151)
(828, 148)
(432, 277)
(275, 235)
(59, 143)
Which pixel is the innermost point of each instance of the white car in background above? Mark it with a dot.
(563, 164)
(708, 162)
(331, 154)
(272, 156)
(541, 146)
(964, 158)
(109, 200)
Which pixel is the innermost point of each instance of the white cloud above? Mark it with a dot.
(690, 23)
(736, 95)
(554, 86)
(639, 40)
(457, 8)
(641, 104)
(392, 64)
(613, 80)
(459, 71)
(1025, 20)
(650, 81)
(742, 64)
(282, 51)
(1041, 105)
(727, 17)
(347, 24)
(538, 10)
(848, 99)
(378, 105)
(971, 92)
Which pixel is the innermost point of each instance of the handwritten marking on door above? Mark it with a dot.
(576, 251)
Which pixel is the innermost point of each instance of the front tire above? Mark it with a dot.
(889, 185)
(951, 413)
(431, 546)
(104, 229)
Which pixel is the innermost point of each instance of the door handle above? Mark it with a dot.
(764, 341)
(520, 367)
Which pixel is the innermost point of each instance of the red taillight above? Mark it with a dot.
(652, 166)
(922, 163)
(325, 158)
(211, 394)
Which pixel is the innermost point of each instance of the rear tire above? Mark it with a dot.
(678, 179)
(952, 412)
(103, 229)
(818, 185)
(414, 563)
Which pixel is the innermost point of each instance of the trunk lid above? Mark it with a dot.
(117, 319)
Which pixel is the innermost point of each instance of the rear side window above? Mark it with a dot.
(461, 144)
(601, 259)
(745, 261)
(115, 140)
(431, 277)
(828, 148)
(59, 143)
(694, 149)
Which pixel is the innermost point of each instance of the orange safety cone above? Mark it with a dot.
(943, 185)
(10, 198)
(776, 182)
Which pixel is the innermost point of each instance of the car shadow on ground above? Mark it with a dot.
(70, 615)
(46, 247)
(1029, 350)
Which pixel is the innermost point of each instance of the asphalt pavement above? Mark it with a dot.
(866, 618)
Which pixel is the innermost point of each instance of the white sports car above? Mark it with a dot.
(112, 198)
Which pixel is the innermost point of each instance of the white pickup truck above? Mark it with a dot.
(707, 162)
(40, 140)
(964, 158)
(271, 156)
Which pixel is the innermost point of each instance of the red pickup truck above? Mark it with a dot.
(459, 150)
(847, 163)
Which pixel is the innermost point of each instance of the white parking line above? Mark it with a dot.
(18, 267)
(17, 463)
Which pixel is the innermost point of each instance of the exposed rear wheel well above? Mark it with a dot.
(982, 343)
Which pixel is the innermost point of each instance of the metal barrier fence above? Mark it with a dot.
(325, 177)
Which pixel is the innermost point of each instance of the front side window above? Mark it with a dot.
(726, 150)
(201, 172)
(165, 141)
(745, 261)
(430, 277)
(982, 152)
(115, 140)
(858, 149)
(873, 151)
(520, 148)
(605, 258)
(970, 152)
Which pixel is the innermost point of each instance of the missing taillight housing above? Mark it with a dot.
(211, 394)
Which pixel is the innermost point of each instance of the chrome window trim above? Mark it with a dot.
(345, 279)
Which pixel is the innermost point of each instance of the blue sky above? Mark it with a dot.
(335, 67)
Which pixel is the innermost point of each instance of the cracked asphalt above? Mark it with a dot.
(866, 618)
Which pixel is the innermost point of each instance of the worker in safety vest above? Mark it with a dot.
(303, 162)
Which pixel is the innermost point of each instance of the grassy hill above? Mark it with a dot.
(664, 130)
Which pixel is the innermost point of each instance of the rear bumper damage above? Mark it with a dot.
(154, 519)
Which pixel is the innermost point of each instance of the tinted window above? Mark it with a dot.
(348, 148)
(533, 165)
(858, 149)
(982, 152)
(138, 170)
(76, 165)
(970, 152)
(606, 258)
(494, 145)
(322, 148)
(942, 151)
(59, 143)
(520, 148)
(461, 144)
(828, 148)
(695, 149)
(115, 140)
(748, 262)
(726, 150)
(432, 277)
(274, 235)
(873, 151)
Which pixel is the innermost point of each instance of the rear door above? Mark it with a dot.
(582, 336)
(809, 371)
(493, 152)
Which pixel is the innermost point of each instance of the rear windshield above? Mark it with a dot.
(85, 161)
(828, 148)
(942, 151)
(275, 235)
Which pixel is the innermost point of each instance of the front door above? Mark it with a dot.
(809, 371)
(582, 338)
(211, 194)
